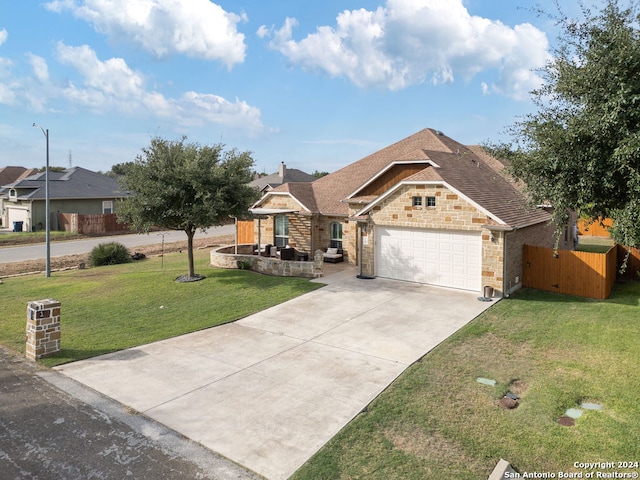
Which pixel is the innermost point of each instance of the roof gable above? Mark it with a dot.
(391, 175)
(300, 192)
(331, 189)
(471, 172)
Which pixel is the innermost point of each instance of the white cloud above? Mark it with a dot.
(39, 66)
(408, 42)
(111, 83)
(112, 86)
(197, 28)
(3, 36)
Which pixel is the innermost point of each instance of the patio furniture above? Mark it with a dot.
(287, 253)
(333, 255)
(264, 249)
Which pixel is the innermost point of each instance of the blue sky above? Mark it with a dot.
(317, 85)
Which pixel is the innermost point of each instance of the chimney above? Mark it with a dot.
(282, 170)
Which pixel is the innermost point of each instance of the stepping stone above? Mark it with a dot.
(573, 413)
(591, 406)
(486, 381)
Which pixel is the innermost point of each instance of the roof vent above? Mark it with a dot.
(438, 132)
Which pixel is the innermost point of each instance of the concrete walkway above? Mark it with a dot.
(270, 390)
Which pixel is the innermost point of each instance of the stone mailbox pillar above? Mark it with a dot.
(43, 328)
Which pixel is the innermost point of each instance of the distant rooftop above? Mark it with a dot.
(284, 175)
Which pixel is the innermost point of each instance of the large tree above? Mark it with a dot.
(186, 186)
(581, 150)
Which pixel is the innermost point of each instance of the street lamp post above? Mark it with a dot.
(46, 204)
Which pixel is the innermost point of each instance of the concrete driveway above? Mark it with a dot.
(270, 390)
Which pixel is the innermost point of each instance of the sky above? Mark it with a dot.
(316, 85)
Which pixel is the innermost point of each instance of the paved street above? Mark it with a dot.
(79, 434)
(75, 247)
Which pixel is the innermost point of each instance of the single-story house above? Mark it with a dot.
(73, 190)
(426, 209)
(282, 176)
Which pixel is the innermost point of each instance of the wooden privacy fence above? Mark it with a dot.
(599, 228)
(90, 224)
(570, 272)
(245, 231)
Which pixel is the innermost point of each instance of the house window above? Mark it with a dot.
(107, 207)
(12, 193)
(281, 231)
(416, 201)
(431, 201)
(336, 235)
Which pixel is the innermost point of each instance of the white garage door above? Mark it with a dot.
(436, 257)
(17, 215)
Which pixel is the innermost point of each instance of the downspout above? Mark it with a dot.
(505, 292)
(360, 251)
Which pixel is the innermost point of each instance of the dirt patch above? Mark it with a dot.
(72, 261)
(433, 447)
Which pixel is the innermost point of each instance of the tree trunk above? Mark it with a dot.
(190, 233)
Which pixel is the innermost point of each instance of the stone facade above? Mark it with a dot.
(43, 329)
(307, 232)
(225, 257)
(453, 212)
(540, 235)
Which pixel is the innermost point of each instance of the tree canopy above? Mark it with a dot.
(581, 150)
(185, 186)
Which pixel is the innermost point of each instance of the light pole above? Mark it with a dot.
(46, 204)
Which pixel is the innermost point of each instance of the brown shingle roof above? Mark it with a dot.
(10, 175)
(303, 192)
(470, 171)
(331, 189)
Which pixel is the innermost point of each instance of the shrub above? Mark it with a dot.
(110, 253)
(244, 265)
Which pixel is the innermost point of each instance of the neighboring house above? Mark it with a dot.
(73, 190)
(284, 175)
(9, 175)
(426, 209)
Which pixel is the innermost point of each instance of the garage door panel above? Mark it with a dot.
(451, 259)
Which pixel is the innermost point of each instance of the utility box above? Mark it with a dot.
(43, 328)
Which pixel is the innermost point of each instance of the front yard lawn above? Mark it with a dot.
(111, 308)
(555, 352)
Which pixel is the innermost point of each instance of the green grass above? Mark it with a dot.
(594, 244)
(115, 307)
(436, 421)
